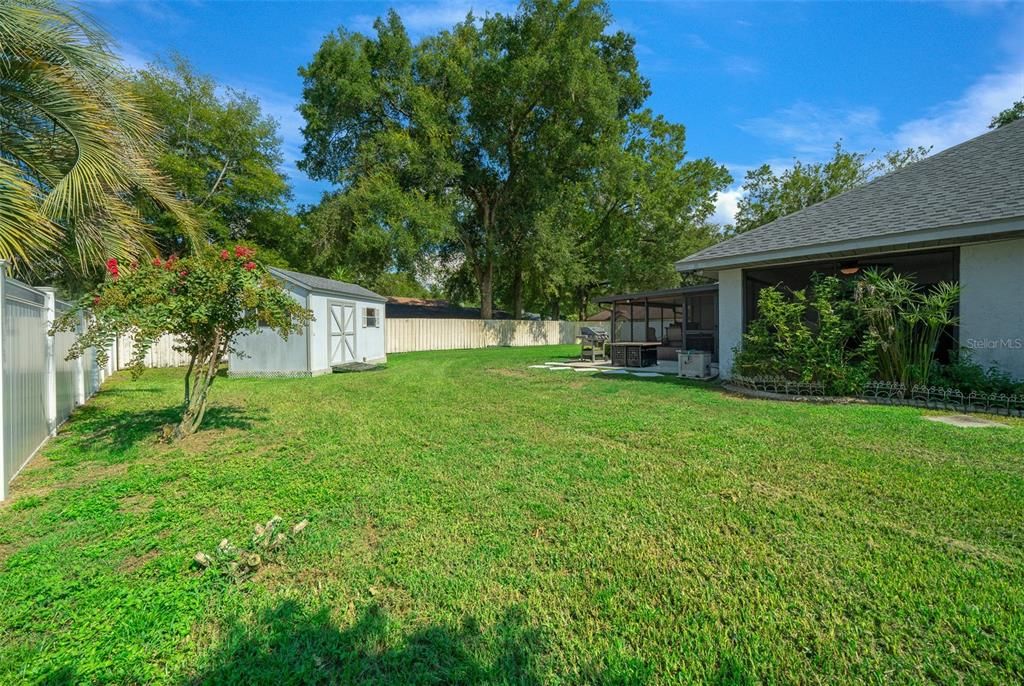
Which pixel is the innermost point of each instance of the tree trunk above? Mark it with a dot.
(196, 402)
(517, 294)
(487, 291)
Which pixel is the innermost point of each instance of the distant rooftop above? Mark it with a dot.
(425, 308)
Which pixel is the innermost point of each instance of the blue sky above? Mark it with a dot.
(752, 82)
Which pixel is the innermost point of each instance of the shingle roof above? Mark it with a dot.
(319, 283)
(980, 180)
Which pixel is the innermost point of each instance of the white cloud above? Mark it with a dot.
(738, 65)
(958, 120)
(726, 205)
(429, 17)
(695, 41)
(811, 131)
(131, 56)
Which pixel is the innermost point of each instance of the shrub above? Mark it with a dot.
(205, 300)
(968, 376)
(843, 334)
(812, 335)
(905, 323)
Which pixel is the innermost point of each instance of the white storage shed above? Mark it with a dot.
(348, 326)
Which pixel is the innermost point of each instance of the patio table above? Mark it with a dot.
(634, 354)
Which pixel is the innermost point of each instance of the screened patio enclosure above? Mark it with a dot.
(666, 321)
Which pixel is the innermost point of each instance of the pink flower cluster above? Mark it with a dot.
(242, 253)
(168, 264)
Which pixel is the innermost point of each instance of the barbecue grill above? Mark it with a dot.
(592, 343)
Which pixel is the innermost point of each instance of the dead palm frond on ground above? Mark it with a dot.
(75, 146)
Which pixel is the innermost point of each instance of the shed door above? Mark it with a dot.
(343, 333)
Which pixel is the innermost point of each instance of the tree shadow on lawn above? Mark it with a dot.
(289, 645)
(99, 433)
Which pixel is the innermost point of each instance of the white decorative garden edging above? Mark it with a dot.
(883, 393)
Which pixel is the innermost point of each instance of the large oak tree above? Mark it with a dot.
(479, 127)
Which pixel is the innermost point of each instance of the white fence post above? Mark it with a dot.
(79, 367)
(4, 477)
(51, 362)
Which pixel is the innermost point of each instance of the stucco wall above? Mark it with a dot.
(730, 317)
(992, 304)
(265, 352)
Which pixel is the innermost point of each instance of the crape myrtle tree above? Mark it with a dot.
(477, 129)
(205, 300)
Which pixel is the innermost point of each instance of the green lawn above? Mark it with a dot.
(473, 520)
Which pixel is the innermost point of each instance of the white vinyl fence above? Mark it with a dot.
(38, 388)
(409, 335)
(161, 354)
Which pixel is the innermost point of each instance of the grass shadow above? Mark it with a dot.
(98, 431)
(290, 645)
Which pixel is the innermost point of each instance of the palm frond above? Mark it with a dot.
(77, 147)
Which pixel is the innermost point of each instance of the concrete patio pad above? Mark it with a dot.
(965, 421)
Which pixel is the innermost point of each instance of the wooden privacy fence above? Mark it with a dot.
(410, 335)
(38, 387)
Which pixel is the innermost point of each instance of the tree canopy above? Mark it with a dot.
(1010, 114)
(471, 149)
(768, 195)
(621, 228)
(222, 153)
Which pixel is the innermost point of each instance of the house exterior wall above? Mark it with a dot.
(992, 304)
(730, 318)
(265, 353)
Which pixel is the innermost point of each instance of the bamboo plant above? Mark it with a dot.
(907, 323)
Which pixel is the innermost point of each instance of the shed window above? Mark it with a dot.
(370, 320)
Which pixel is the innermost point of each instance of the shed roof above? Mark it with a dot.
(974, 190)
(323, 285)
